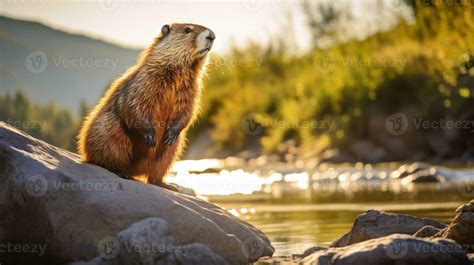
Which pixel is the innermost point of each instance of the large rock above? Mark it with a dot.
(393, 249)
(48, 197)
(366, 151)
(375, 224)
(461, 228)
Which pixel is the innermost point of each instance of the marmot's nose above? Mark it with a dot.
(211, 35)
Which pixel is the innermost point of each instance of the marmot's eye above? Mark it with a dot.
(188, 30)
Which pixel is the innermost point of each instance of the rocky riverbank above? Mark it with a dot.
(57, 210)
(384, 238)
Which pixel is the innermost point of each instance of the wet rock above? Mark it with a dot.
(427, 231)
(393, 249)
(367, 152)
(389, 250)
(461, 228)
(210, 170)
(335, 156)
(311, 250)
(48, 196)
(375, 224)
(426, 175)
(406, 170)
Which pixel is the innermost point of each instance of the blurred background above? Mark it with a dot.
(313, 111)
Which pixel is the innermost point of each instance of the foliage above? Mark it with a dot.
(422, 69)
(50, 123)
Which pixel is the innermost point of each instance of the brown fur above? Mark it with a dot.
(164, 86)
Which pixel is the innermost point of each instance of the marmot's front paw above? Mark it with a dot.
(122, 175)
(171, 136)
(150, 138)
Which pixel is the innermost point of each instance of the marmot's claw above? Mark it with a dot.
(122, 175)
(150, 139)
(170, 138)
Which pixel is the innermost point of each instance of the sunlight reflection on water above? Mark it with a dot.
(301, 207)
(214, 177)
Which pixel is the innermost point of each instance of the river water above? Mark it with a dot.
(298, 206)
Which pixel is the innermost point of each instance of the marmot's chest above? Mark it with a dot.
(173, 103)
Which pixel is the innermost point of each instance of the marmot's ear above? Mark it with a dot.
(165, 30)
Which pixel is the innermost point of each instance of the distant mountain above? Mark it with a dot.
(50, 65)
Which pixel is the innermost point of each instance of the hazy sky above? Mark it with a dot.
(135, 22)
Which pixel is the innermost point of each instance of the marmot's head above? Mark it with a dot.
(182, 44)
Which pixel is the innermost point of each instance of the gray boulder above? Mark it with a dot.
(393, 249)
(461, 228)
(427, 231)
(49, 197)
(149, 242)
(375, 224)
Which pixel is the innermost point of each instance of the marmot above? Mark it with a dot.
(138, 127)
